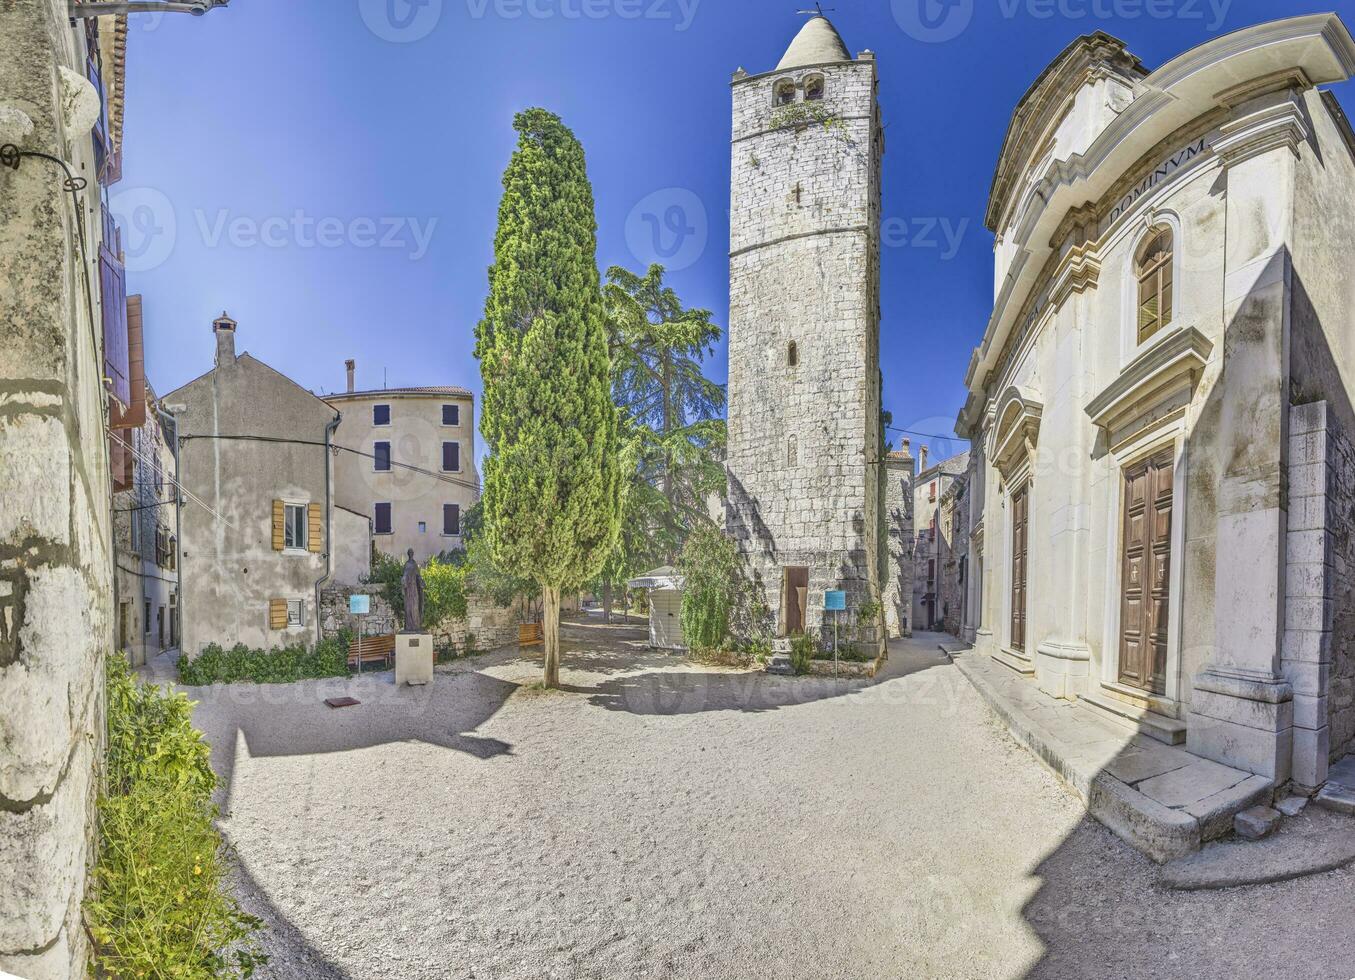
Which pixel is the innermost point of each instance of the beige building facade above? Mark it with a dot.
(262, 531)
(408, 464)
(1160, 408)
(934, 544)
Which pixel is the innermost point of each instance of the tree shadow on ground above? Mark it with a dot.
(293, 719)
(677, 692)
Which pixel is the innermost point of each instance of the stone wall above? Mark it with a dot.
(804, 427)
(954, 525)
(335, 617)
(493, 626)
(1341, 512)
(56, 564)
(898, 518)
(1319, 639)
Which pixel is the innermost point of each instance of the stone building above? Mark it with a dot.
(1161, 404)
(56, 561)
(414, 473)
(898, 543)
(933, 546)
(145, 539)
(804, 310)
(953, 523)
(262, 532)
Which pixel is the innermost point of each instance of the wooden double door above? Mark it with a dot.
(1145, 573)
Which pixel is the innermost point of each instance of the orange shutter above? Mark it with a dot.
(277, 614)
(279, 515)
(314, 527)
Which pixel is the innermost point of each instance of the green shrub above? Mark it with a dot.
(849, 652)
(159, 903)
(803, 649)
(328, 658)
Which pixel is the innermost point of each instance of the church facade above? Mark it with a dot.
(805, 437)
(1162, 484)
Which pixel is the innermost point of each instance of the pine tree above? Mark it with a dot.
(552, 479)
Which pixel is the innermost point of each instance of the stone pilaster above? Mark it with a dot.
(1242, 709)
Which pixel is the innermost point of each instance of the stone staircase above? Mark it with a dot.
(780, 659)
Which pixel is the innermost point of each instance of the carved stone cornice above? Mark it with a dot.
(1079, 271)
(1175, 362)
(1271, 122)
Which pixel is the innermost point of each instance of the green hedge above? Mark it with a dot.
(328, 658)
(159, 902)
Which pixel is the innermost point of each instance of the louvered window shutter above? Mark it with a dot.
(277, 614)
(314, 527)
(279, 518)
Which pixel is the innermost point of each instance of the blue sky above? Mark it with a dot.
(328, 170)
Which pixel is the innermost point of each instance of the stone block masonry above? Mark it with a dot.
(492, 625)
(804, 378)
(1319, 638)
(56, 565)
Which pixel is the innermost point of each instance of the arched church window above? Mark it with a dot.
(792, 354)
(1154, 271)
(784, 93)
(792, 452)
(814, 88)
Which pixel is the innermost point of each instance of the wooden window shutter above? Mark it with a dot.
(279, 517)
(277, 614)
(314, 527)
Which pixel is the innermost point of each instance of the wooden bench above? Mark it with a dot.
(530, 634)
(374, 648)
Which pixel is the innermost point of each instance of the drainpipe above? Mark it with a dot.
(329, 530)
(178, 529)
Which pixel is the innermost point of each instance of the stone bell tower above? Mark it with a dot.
(804, 328)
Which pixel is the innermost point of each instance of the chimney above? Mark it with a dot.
(922, 456)
(350, 364)
(908, 446)
(224, 328)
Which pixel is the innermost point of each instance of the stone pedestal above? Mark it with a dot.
(1062, 669)
(413, 658)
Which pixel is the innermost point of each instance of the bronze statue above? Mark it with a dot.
(412, 584)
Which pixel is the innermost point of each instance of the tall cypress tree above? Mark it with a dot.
(552, 479)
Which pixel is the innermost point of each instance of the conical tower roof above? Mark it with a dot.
(817, 43)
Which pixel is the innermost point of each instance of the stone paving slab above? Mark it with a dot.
(1157, 797)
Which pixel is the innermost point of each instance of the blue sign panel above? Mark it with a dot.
(359, 605)
(835, 601)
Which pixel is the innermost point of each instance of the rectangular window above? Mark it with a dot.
(381, 415)
(451, 414)
(451, 518)
(382, 453)
(294, 527)
(931, 490)
(382, 518)
(451, 457)
(423, 527)
(296, 612)
(148, 617)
